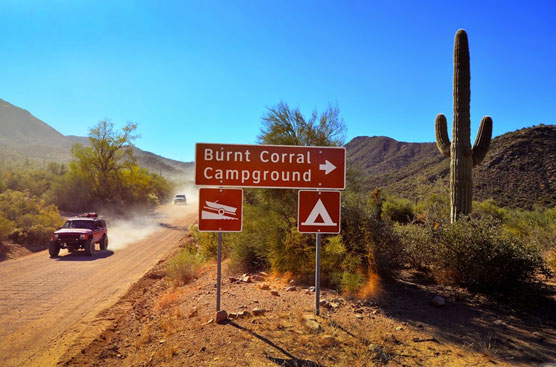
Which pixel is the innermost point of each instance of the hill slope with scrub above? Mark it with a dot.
(26, 137)
(519, 170)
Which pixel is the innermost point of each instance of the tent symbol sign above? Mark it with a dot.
(319, 211)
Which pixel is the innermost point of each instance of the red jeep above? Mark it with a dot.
(83, 231)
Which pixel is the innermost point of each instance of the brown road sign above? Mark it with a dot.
(318, 211)
(271, 166)
(220, 210)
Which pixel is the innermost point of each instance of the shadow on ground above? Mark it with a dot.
(517, 336)
(82, 256)
(177, 228)
(290, 361)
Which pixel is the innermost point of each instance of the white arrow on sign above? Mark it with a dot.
(327, 167)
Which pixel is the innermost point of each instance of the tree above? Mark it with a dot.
(102, 162)
(271, 215)
(285, 126)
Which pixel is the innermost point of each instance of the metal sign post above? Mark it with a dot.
(219, 271)
(270, 166)
(317, 277)
(318, 212)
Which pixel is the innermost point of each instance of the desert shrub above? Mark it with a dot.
(207, 243)
(477, 254)
(398, 210)
(489, 207)
(333, 260)
(418, 243)
(351, 282)
(31, 219)
(185, 267)
(551, 260)
(250, 249)
(367, 236)
(6, 227)
(385, 249)
(296, 254)
(537, 226)
(70, 192)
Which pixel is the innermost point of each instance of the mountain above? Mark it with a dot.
(519, 169)
(23, 136)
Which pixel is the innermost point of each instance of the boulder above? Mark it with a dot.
(438, 301)
(257, 311)
(311, 322)
(221, 316)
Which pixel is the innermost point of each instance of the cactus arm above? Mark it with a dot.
(482, 142)
(442, 140)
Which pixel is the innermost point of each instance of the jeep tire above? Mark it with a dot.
(53, 249)
(104, 242)
(90, 247)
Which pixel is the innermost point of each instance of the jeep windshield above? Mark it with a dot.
(87, 224)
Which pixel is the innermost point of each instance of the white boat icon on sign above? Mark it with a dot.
(215, 210)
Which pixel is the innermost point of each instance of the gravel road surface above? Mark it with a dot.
(48, 305)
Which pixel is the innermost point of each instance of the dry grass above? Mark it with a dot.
(368, 337)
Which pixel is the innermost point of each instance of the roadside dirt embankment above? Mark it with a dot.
(49, 305)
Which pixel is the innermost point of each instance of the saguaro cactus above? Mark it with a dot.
(462, 157)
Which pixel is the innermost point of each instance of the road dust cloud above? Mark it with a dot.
(191, 193)
(123, 232)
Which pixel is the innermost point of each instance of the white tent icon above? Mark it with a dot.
(319, 210)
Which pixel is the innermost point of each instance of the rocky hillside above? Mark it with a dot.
(518, 171)
(23, 136)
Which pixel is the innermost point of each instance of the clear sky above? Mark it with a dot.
(205, 71)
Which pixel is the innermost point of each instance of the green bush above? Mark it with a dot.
(28, 219)
(207, 243)
(478, 254)
(351, 282)
(551, 260)
(6, 228)
(185, 267)
(250, 249)
(489, 207)
(398, 210)
(417, 243)
(368, 237)
(333, 260)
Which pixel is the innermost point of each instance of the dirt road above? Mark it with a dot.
(49, 305)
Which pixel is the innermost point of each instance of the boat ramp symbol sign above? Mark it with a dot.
(318, 211)
(220, 210)
(214, 210)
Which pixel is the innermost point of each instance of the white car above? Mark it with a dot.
(180, 200)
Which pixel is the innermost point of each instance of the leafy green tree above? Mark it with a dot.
(103, 161)
(270, 235)
(104, 174)
(285, 126)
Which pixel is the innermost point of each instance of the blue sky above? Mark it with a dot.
(205, 71)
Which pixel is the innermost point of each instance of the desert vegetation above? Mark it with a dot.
(102, 176)
(492, 250)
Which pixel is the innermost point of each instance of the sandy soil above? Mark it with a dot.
(48, 306)
(157, 324)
